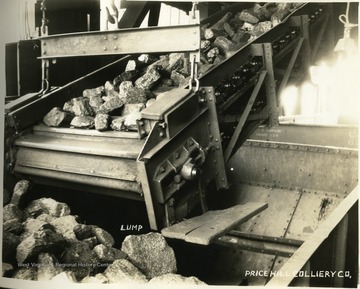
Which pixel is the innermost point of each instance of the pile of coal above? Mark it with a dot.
(43, 241)
(234, 30)
(118, 103)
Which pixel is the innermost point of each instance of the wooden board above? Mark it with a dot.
(208, 227)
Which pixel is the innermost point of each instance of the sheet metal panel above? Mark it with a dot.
(337, 136)
(85, 180)
(312, 210)
(78, 164)
(295, 166)
(119, 148)
(282, 211)
(250, 267)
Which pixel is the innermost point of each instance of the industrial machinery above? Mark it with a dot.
(222, 128)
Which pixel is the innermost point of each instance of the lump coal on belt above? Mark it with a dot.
(118, 103)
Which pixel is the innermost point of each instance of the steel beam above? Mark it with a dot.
(340, 250)
(230, 148)
(271, 85)
(319, 37)
(257, 246)
(290, 66)
(181, 38)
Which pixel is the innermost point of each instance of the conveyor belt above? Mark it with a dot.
(109, 160)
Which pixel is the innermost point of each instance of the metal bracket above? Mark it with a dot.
(195, 56)
(45, 86)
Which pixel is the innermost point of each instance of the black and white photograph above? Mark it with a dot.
(179, 143)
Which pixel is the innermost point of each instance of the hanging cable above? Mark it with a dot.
(344, 18)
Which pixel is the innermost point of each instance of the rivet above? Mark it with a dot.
(210, 99)
(115, 47)
(44, 43)
(115, 37)
(161, 134)
(105, 48)
(105, 38)
(44, 52)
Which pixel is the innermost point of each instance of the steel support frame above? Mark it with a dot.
(271, 95)
(290, 65)
(306, 54)
(319, 37)
(230, 148)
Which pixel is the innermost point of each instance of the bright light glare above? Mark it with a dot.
(309, 99)
(289, 100)
(320, 74)
(338, 87)
(332, 96)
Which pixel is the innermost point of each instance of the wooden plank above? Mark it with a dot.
(206, 228)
